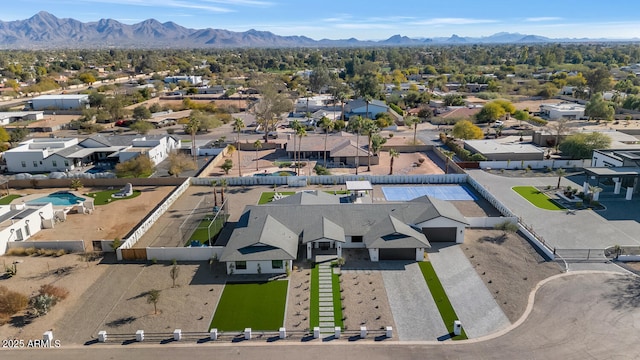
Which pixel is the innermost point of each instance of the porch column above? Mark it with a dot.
(585, 187)
(596, 196)
(419, 254)
(629, 193)
(309, 251)
(339, 249)
(618, 186)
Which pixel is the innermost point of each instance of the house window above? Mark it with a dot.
(241, 265)
(27, 231)
(54, 163)
(276, 264)
(24, 164)
(356, 239)
(66, 163)
(35, 164)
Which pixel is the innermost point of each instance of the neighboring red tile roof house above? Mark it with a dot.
(461, 112)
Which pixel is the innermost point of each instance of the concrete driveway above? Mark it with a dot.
(414, 310)
(586, 229)
(579, 316)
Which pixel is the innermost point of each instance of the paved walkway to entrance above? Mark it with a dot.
(475, 306)
(414, 310)
(325, 294)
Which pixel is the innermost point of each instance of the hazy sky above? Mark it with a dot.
(364, 20)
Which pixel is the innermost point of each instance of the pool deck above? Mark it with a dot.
(30, 197)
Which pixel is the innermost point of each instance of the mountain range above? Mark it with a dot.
(46, 31)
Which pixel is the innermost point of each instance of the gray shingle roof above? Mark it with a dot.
(323, 230)
(436, 209)
(275, 228)
(391, 233)
(264, 239)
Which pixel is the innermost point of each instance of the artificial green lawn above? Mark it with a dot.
(257, 306)
(201, 234)
(102, 197)
(537, 198)
(267, 196)
(8, 199)
(440, 297)
(314, 305)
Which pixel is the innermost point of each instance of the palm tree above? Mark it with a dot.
(300, 132)
(257, 145)
(223, 185)
(192, 128)
(343, 98)
(393, 154)
(560, 172)
(295, 125)
(593, 190)
(328, 126)
(367, 99)
(355, 124)
(238, 125)
(369, 128)
(413, 121)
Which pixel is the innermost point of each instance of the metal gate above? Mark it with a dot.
(134, 254)
(581, 255)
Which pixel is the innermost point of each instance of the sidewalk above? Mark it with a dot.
(475, 306)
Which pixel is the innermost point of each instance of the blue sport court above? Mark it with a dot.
(445, 192)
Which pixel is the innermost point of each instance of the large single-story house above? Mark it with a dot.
(341, 149)
(65, 154)
(268, 237)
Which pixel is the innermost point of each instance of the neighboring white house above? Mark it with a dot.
(60, 102)
(65, 154)
(562, 111)
(193, 80)
(20, 222)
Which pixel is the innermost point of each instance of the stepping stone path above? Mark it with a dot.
(325, 291)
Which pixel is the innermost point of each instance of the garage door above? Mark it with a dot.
(397, 254)
(442, 234)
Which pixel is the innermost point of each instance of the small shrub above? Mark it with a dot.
(284, 165)
(60, 252)
(41, 304)
(19, 251)
(4, 318)
(12, 302)
(31, 251)
(57, 292)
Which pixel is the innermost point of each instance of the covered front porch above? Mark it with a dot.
(323, 238)
(622, 177)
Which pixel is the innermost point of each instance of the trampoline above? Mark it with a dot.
(442, 192)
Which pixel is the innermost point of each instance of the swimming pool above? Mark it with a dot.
(442, 192)
(61, 198)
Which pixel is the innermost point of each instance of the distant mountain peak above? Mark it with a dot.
(45, 31)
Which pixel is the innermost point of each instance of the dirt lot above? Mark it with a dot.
(509, 265)
(107, 221)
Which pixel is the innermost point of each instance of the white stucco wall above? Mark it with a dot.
(252, 267)
(27, 226)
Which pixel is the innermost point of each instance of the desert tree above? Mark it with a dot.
(153, 296)
(393, 154)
